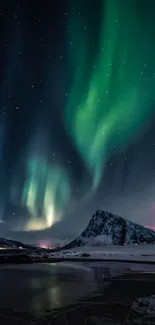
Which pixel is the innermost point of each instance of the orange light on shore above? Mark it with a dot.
(44, 244)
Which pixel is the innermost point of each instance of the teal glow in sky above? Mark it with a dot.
(109, 109)
(76, 106)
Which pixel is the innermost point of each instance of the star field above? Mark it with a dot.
(77, 114)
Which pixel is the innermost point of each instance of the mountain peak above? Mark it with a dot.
(107, 228)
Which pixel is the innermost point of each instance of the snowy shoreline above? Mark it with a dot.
(140, 254)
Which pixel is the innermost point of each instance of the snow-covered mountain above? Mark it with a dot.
(105, 228)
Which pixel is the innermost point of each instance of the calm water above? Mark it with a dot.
(40, 287)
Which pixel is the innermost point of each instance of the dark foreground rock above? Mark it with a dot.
(142, 312)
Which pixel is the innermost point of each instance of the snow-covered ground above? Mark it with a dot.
(137, 253)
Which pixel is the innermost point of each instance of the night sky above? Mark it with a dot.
(77, 114)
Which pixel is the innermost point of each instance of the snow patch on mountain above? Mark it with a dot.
(105, 228)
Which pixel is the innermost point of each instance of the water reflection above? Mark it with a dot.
(38, 288)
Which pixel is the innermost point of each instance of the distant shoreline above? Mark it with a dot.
(16, 260)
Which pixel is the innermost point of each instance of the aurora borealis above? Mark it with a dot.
(77, 111)
(107, 114)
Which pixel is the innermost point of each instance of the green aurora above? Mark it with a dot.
(111, 63)
(45, 194)
(46, 189)
(109, 106)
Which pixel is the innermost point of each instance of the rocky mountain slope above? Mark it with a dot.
(105, 228)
